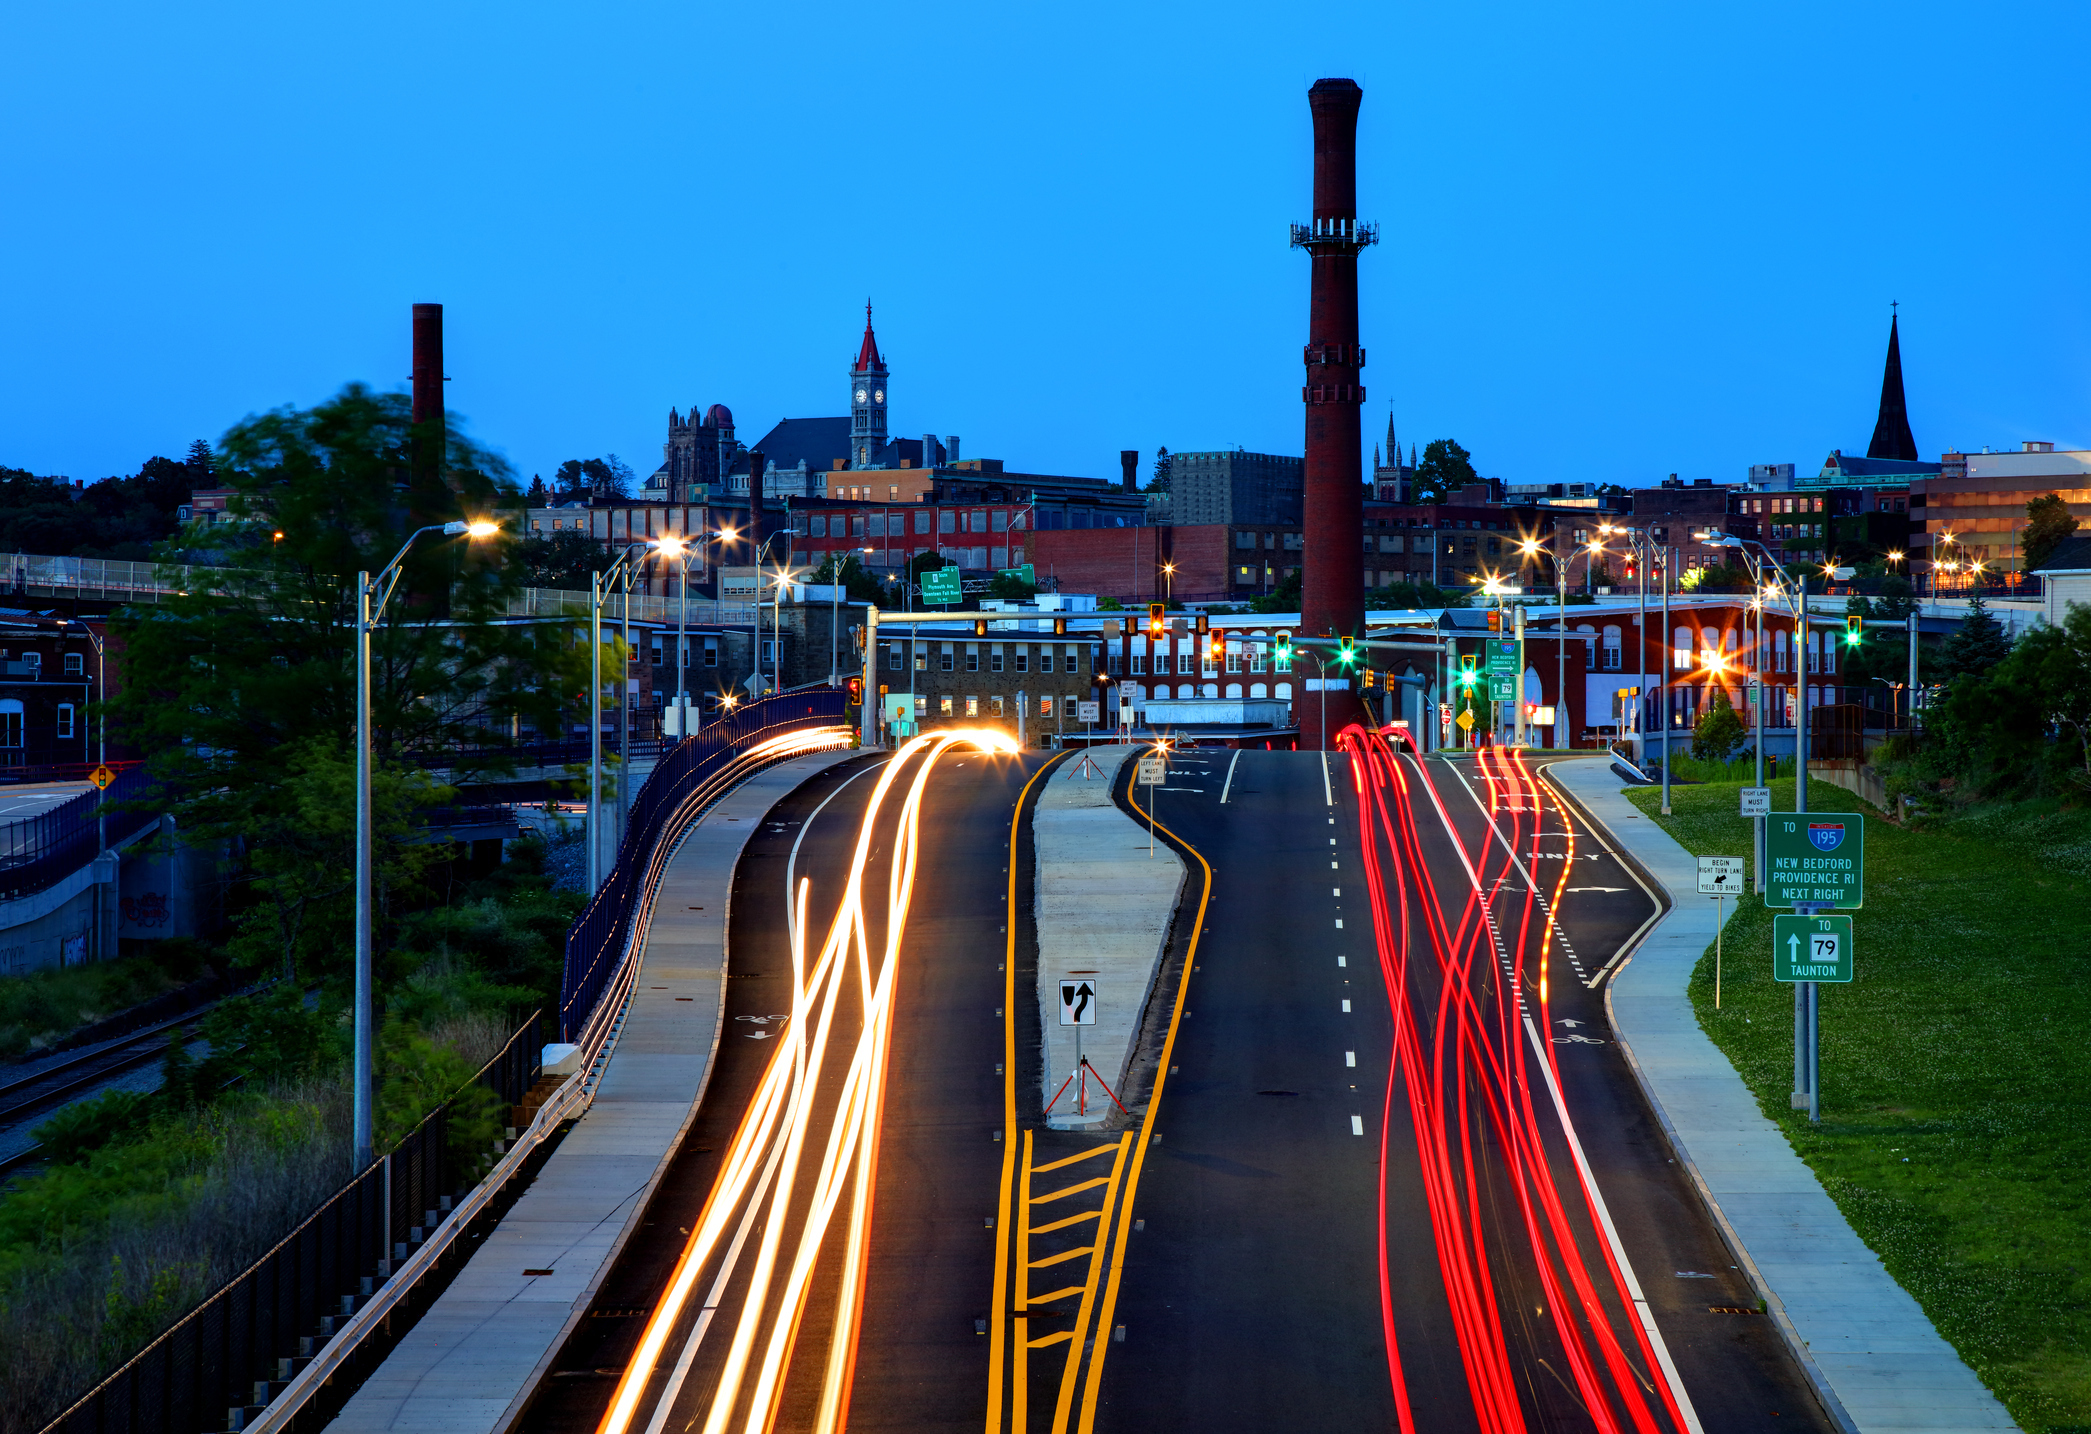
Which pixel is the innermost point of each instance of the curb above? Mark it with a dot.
(1818, 1382)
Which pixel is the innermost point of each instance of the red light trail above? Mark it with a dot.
(1463, 972)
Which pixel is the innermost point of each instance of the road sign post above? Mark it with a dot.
(1078, 1009)
(1151, 773)
(1718, 876)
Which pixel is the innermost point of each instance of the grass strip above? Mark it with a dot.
(1954, 1072)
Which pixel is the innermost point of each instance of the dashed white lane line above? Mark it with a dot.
(1350, 1058)
(1229, 784)
(1343, 961)
(1346, 1003)
(1357, 1125)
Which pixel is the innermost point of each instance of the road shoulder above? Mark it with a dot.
(469, 1362)
(1876, 1361)
(1104, 906)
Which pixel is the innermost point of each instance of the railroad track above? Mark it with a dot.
(59, 1081)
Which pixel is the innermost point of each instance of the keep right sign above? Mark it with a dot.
(1815, 857)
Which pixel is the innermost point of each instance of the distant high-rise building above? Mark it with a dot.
(1235, 486)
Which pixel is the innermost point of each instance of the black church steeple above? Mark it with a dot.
(1891, 435)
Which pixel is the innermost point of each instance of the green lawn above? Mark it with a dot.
(1955, 1072)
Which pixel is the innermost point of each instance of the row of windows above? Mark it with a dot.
(13, 722)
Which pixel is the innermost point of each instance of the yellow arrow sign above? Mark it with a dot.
(1465, 720)
(102, 777)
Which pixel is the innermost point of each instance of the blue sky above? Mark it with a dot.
(1619, 240)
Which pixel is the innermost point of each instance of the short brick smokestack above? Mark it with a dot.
(1129, 464)
(757, 465)
(1332, 583)
(429, 379)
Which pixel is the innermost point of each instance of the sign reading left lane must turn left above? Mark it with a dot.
(1077, 1002)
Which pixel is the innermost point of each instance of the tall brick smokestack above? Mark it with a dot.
(428, 383)
(1332, 586)
(1129, 462)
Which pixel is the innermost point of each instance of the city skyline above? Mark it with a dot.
(1611, 249)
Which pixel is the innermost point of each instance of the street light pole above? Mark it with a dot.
(601, 581)
(368, 613)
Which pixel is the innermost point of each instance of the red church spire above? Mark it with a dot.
(868, 352)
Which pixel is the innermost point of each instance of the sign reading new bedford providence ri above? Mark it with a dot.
(1815, 857)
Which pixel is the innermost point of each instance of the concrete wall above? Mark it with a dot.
(140, 890)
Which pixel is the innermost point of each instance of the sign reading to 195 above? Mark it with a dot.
(1815, 858)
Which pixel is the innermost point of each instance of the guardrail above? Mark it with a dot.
(225, 1363)
(595, 945)
(117, 580)
(36, 853)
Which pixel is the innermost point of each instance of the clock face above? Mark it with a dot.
(860, 395)
(879, 397)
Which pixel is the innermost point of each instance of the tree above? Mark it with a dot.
(566, 559)
(857, 580)
(1445, 467)
(1718, 732)
(1160, 482)
(2048, 526)
(202, 463)
(593, 478)
(242, 686)
(1976, 646)
(1011, 587)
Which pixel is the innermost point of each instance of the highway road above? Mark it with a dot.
(1392, 1173)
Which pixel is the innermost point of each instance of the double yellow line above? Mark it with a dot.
(999, 1417)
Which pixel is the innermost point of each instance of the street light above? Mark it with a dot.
(368, 614)
(601, 586)
(1169, 578)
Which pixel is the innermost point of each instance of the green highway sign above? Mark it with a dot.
(1028, 573)
(1502, 689)
(941, 585)
(1815, 857)
(1502, 656)
(1811, 948)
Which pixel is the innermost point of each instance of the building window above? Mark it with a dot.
(769, 651)
(972, 659)
(819, 525)
(1139, 664)
(893, 659)
(1067, 708)
(65, 719)
(994, 705)
(1256, 657)
(994, 661)
(10, 722)
(921, 659)
(1234, 662)
(1023, 661)
(944, 706)
(1115, 665)
(75, 664)
(947, 522)
(972, 706)
(1045, 706)
(946, 661)
(1045, 662)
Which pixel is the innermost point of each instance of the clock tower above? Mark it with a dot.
(867, 401)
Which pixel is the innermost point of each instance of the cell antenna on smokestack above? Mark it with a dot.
(1332, 583)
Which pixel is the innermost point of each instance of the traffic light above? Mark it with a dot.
(1854, 630)
(1467, 675)
(1495, 620)
(980, 627)
(1281, 653)
(1346, 652)
(1059, 627)
(1203, 623)
(1157, 623)
(1369, 680)
(856, 692)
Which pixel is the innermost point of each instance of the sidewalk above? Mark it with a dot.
(1874, 1358)
(1103, 913)
(466, 1366)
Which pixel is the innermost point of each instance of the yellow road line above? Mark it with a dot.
(1060, 1259)
(1063, 1224)
(1092, 1383)
(1065, 1402)
(1020, 1376)
(1065, 1191)
(1000, 1303)
(1069, 1160)
(1058, 1295)
(1066, 1334)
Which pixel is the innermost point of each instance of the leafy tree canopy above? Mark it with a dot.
(242, 686)
(2048, 526)
(1976, 646)
(605, 477)
(1445, 466)
(566, 559)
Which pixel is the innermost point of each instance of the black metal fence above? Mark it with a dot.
(38, 852)
(226, 1358)
(593, 944)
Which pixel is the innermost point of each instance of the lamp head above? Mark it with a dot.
(481, 529)
(669, 545)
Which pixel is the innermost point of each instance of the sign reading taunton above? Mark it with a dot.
(1815, 858)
